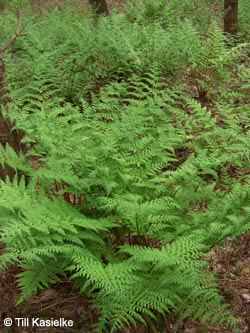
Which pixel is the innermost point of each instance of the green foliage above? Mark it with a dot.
(170, 12)
(244, 18)
(131, 176)
(75, 56)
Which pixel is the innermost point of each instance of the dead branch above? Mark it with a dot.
(17, 31)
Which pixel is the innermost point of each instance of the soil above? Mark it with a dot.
(231, 264)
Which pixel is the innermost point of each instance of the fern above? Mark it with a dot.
(157, 176)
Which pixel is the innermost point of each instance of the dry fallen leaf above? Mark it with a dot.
(246, 297)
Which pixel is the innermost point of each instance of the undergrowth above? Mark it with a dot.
(138, 150)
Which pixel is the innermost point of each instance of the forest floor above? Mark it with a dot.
(231, 263)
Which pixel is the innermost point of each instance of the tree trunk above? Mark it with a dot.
(99, 6)
(231, 16)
